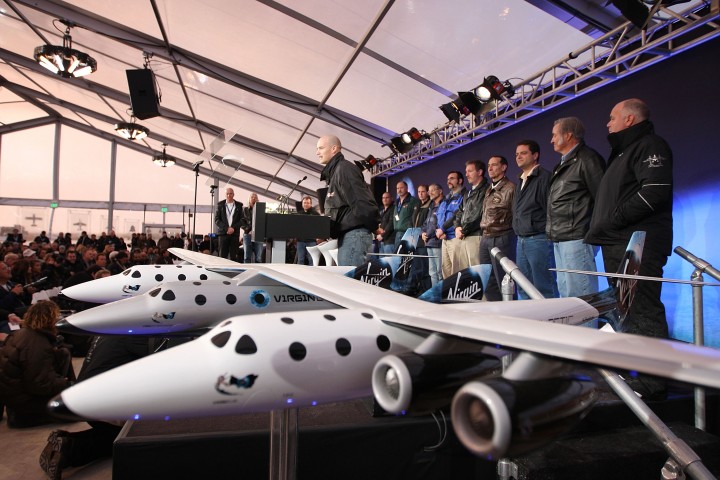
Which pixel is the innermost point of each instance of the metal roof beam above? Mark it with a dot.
(150, 44)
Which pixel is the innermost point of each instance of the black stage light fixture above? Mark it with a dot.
(65, 60)
(493, 89)
(466, 104)
(366, 163)
(407, 140)
(634, 10)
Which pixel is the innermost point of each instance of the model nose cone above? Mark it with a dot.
(57, 407)
(66, 327)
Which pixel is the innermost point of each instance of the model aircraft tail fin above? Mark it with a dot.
(376, 271)
(463, 286)
(614, 302)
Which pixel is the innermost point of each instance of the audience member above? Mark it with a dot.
(433, 244)
(636, 193)
(42, 238)
(446, 225)
(12, 295)
(496, 224)
(467, 217)
(302, 256)
(571, 199)
(34, 367)
(74, 449)
(386, 235)
(253, 250)
(228, 220)
(534, 251)
(405, 205)
(15, 237)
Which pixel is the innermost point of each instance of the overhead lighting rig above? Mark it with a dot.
(65, 60)
(405, 142)
(163, 159)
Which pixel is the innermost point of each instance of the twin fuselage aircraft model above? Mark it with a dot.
(286, 336)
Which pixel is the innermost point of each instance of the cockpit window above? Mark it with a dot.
(246, 346)
(127, 272)
(136, 274)
(221, 339)
(168, 295)
(154, 292)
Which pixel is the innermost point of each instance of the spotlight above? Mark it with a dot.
(131, 130)
(65, 61)
(367, 163)
(407, 140)
(493, 88)
(163, 159)
(466, 104)
(633, 10)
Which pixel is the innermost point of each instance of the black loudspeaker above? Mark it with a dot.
(143, 97)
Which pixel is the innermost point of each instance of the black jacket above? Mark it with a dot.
(573, 187)
(222, 222)
(28, 368)
(636, 191)
(349, 202)
(469, 213)
(386, 223)
(530, 203)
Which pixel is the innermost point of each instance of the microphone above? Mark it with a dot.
(301, 180)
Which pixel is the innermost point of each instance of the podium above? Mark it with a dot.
(276, 228)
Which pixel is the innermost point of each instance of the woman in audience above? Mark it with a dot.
(34, 367)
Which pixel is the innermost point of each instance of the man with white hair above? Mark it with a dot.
(636, 194)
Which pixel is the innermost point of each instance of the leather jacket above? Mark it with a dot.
(349, 202)
(571, 198)
(497, 209)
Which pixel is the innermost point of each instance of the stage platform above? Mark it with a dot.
(345, 441)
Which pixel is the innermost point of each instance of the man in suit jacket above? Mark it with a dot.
(228, 219)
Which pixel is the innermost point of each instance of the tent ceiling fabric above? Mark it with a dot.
(279, 73)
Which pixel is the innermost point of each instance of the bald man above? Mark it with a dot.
(636, 193)
(228, 220)
(349, 203)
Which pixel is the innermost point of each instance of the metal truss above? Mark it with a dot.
(611, 57)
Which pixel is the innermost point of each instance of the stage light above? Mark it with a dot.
(163, 159)
(466, 104)
(407, 140)
(493, 88)
(634, 10)
(131, 130)
(65, 60)
(367, 163)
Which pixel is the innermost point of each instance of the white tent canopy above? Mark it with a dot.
(267, 77)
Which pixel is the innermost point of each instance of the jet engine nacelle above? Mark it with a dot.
(500, 417)
(417, 383)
